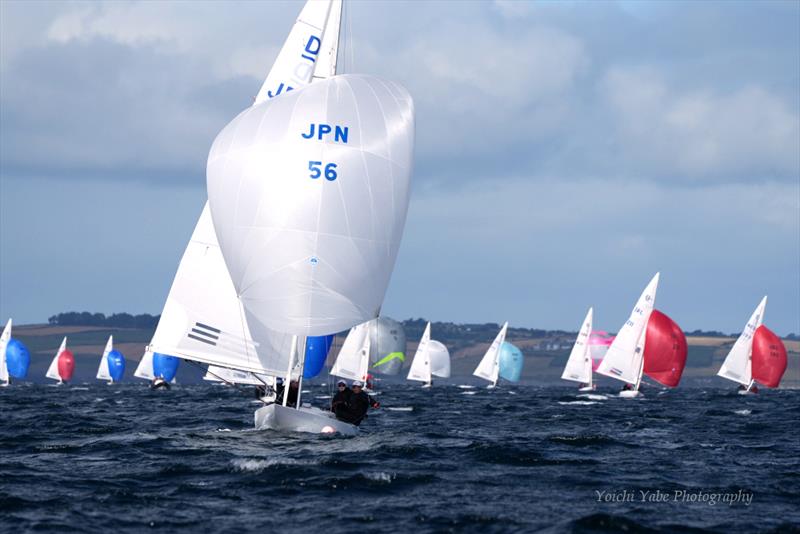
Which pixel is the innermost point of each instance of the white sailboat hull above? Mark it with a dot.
(587, 388)
(630, 394)
(313, 420)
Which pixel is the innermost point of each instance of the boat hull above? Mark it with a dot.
(312, 420)
(630, 394)
(586, 388)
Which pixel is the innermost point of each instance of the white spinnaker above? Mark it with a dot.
(439, 357)
(624, 358)
(489, 366)
(145, 367)
(353, 359)
(296, 62)
(420, 369)
(311, 247)
(52, 371)
(579, 364)
(4, 339)
(221, 374)
(102, 369)
(202, 277)
(738, 364)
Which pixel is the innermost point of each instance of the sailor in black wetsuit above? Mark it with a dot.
(357, 406)
(339, 401)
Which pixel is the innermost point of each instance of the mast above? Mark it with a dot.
(300, 378)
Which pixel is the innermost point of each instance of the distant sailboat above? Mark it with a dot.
(63, 365)
(648, 343)
(579, 363)
(431, 359)
(159, 369)
(758, 355)
(14, 357)
(489, 366)
(112, 363)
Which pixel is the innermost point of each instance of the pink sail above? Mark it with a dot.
(599, 341)
(66, 365)
(768, 357)
(665, 350)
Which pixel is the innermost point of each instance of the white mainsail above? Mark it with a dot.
(624, 359)
(102, 370)
(420, 369)
(4, 339)
(579, 364)
(738, 364)
(489, 366)
(52, 371)
(353, 359)
(202, 296)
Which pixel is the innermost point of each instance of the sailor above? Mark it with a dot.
(360, 402)
(159, 383)
(627, 387)
(339, 401)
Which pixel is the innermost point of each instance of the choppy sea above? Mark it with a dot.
(122, 458)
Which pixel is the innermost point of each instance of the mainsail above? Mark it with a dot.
(489, 366)
(4, 339)
(353, 359)
(737, 365)
(579, 363)
(102, 370)
(769, 357)
(624, 358)
(665, 350)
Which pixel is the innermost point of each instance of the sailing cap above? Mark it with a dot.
(357, 383)
(341, 383)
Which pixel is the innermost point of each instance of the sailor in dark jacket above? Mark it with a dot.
(360, 403)
(339, 401)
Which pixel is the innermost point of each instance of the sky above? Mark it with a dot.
(566, 151)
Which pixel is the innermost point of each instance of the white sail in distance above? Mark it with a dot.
(420, 369)
(352, 361)
(489, 366)
(4, 339)
(579, 364)
(102, 370)
(309, 195)
(738, 363)
(52, 371)
(624, 359)
(202, 291)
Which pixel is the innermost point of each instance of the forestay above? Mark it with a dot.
(624, 358)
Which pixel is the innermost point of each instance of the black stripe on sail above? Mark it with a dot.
(203, 340)
(212, 336)
(211, 328)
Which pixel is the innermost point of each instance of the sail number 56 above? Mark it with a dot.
(316, 170)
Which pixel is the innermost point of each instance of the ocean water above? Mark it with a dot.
(98, 458)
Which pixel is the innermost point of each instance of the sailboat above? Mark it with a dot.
(431, 359)
(489, 366)
(14, 357)
(648, 343)
(758, 355)
(112, 363)
(203, 319)
(387, 346)
(352, 362)
(159, 369)
(63, 365)
(579, 363)
(309, 192)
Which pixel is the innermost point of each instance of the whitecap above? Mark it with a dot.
(223, 430)
(582, 403)
(592, 397)
(379, 477)
(468, 392)
(466, 386)
(401, 408)
(743, 412)
(252, 465)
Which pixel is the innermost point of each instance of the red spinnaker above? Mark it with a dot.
(66, 365)
(665, 350)
(769, 357)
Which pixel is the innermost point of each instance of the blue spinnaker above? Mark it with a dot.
(165, 366)
(17, 358)
(317, 348)
(116, 365)
(510, 362)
